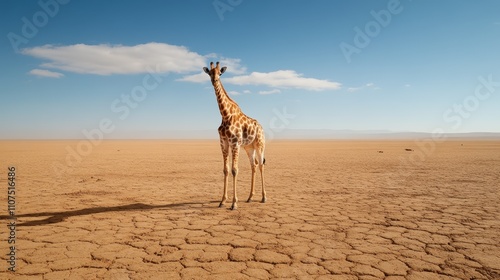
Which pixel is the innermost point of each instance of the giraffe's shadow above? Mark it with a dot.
(57, 217)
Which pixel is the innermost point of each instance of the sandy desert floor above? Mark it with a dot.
(335, 210)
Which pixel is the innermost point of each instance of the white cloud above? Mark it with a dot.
(407, 85)
(118, 59)
(233, 92)
(233, 65)
(270, 91)
(108, 59)
(283, 79)
(247, 91)
(196, 78)
(45, 73)
(366, 86)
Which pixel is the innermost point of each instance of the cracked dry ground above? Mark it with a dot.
(335, 210)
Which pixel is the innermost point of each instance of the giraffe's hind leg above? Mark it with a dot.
(261, 160)
(253, 163)
(264, 197)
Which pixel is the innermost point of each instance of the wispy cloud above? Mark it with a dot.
(270, 91)
(195, 78)
(279, 79)
(283, 79)
(118, 59)
(233, 64)
(45, 73)
(366, 86)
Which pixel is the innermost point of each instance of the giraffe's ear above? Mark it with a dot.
(223, 69)
(206, 70)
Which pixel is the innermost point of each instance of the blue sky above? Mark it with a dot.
(133, 69)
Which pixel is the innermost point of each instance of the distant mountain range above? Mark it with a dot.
(312, 134)
(285, 134)
(374, 134)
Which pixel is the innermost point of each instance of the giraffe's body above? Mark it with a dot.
(237, 130)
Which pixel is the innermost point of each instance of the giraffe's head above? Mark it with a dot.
(214, 72)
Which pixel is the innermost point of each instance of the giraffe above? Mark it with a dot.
(237, 130)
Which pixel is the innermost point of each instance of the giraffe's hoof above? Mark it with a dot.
(234, 207)
(263, 200)
(249, 200)
(221, 204)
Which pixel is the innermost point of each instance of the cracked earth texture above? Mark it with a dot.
(335, 210)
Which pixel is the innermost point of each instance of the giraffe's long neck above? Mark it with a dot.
(227, 106)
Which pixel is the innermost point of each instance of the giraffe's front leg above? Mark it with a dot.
(224, 195)
(225, 154)
(235, 153)
(234, 206)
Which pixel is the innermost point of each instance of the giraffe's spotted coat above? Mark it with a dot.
(237, 130)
